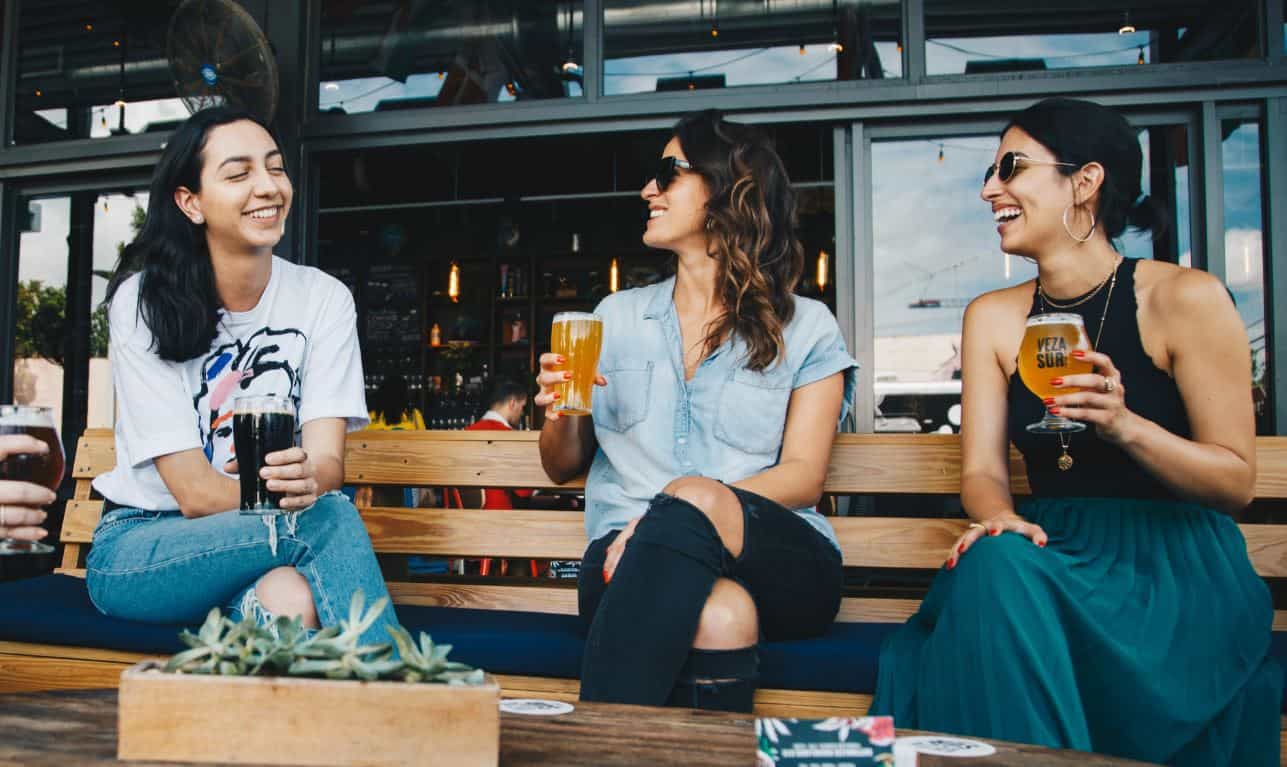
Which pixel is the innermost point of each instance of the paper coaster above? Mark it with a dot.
(942, 745)
(535, 706)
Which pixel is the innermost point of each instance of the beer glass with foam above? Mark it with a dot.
(46, 470)
(577, 337)
(1046, 352)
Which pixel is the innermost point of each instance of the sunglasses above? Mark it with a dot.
(1009, 165)
(665, 171)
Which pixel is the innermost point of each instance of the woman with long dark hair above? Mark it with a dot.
(709, 439)
(203, 312)
(1116, 610)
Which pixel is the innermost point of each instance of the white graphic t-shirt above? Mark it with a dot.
(299, 341)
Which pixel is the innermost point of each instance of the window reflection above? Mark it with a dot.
(379, 56)
(660, 46)
(1244, 251)
(65, 241)
(975, 38)
(93, 71)
(926, 275)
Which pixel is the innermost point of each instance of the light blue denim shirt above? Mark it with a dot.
(726, 423)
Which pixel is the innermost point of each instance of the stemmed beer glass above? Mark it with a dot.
(45, 470)
(1045, 353)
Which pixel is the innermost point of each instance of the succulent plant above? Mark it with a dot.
(226, 648)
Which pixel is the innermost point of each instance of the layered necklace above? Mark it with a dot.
(1065, 461)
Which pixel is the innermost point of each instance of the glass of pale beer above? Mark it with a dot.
(1046, 352)
(45, 470)
(577, 337)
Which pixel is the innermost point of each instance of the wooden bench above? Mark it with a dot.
(860, 464)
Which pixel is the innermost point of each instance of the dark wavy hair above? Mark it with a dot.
(177, 296)
(751, 221)
(1081, 132)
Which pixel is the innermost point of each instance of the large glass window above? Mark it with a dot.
(89, 70)
(979, 37)
(925, 276)
(391, 54)
(69, 246)
(459, 285)
(1244, 251)
(661, 46)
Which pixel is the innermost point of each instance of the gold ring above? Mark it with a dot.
(979, 525)
(1109, 385)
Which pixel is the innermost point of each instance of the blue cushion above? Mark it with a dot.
(55, 609)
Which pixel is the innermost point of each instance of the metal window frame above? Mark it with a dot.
(1274, 154)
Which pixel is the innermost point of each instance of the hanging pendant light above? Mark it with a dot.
(612, 276)
(453, 283)
(823, 270)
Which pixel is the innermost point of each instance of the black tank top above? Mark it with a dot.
(1099, 468)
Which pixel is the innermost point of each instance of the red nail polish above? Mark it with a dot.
(994, 532)
(1079, 353)
(1056, 382)
(1041, 544)
(960, 549)
(1048, 401)
(606, 577)
(951, 563)
(1054, 411)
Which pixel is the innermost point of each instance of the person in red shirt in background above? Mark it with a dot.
(505, 411)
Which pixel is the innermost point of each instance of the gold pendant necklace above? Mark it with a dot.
(1065, 461)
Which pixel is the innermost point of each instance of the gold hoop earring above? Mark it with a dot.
(1068, 229)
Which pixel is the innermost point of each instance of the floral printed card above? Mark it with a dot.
(836, 742)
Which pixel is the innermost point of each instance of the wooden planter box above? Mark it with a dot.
(283, 720)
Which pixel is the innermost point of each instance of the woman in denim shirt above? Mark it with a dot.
(709, 439)
(210, 314)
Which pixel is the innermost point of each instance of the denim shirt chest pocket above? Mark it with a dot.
(623, 403)
(752, 409)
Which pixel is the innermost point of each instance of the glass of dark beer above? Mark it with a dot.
(46, 470)
(260, 425)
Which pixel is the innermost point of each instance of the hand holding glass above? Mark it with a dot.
(260, 425)
(45, 469)
(1045, 353)
(578, 338)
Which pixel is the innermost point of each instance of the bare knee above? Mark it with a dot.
(717, 502)
(729, 620)
(283, 591)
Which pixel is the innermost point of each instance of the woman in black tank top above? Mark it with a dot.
(1115, 610)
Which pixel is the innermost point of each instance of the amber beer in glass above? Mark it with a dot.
(260, 425)
(1046, 353)
(45, 470)
(577, 337)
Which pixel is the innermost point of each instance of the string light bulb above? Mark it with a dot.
(801, 49)
(940, 153)
(714, 30)
(1140, 60)
(823, 270)
(612, 276)
(511, 89)
(1127, 27)
(332, 87)
(836, 47)
(453, 283)
(39, 93)
(89, 27)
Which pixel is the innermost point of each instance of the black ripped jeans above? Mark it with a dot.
(640, 627)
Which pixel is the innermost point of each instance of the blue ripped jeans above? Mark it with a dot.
(160, 567)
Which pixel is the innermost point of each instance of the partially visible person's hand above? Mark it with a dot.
(553, 375)
(617, 548)
(1006, 521)
(20, 502)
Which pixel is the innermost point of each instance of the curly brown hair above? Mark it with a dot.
(751, 222)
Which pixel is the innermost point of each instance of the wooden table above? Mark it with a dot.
(55, 729)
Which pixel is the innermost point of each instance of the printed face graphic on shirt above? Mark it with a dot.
(267, 363)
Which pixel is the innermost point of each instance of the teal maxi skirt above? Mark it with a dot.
(1140, 631)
